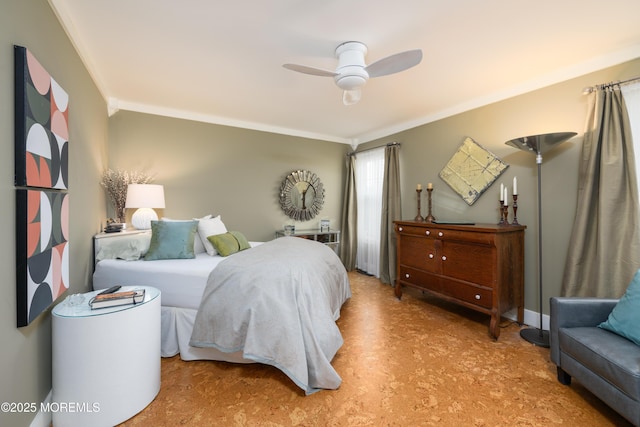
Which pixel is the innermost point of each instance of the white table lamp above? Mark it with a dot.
(144, 197)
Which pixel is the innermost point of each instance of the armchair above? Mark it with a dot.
(605, 363)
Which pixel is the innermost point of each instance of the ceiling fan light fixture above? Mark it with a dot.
(352, 71)
(350, 82)
(351, 96)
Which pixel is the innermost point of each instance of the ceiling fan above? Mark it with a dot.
(352, 72)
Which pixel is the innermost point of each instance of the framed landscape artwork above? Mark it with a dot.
(42, 181)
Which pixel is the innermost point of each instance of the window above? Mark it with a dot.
(631, 95)
(369, 180)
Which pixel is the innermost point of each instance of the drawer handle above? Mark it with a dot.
(440, 234)
(428, 233)
(444, 258)
(430, 256)
(477, 296)
(399, 228)
(406, 275)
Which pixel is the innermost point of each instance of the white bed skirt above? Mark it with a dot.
(176, 327)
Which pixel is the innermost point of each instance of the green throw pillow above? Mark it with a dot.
(242, 241)
(229, 243)
(171, 240)
(625, 317)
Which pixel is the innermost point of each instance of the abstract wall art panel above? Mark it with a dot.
(42, 181)
(471, 170)
(41, 125)
(42, 250)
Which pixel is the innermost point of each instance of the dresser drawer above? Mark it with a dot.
(419, 278)
(420, 252)
(467, 293)
(442, 233)
(411, 230)
(465, 236)
(469, 262)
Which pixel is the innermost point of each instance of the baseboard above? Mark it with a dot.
(43, 419)
(531, 318)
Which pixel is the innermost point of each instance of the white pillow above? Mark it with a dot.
(198, 247)
(210, 227)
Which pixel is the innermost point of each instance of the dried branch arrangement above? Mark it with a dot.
(115, 183)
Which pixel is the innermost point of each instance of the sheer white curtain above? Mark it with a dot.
(631, 94)
(369, 179)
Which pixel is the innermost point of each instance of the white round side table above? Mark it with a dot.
(106, 362)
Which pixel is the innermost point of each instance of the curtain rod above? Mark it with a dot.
(391, 144)
(590, 89)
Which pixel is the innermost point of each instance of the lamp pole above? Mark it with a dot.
(539, 144)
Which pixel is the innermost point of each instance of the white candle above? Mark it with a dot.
(506, 193)
(515, 186)
(419, 187)
(501, 192)
(430, 186)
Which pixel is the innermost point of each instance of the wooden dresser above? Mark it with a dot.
(478, 266)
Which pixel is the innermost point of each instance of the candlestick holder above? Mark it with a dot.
(430, 217)
(419, 217)
(501, 211)
(515, 210)
(505, 212)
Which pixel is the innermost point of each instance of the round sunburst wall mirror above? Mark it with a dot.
(301, 195)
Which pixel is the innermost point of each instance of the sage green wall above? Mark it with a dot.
(562, 107)
(25, 357)
(212, 169)
(237, 172)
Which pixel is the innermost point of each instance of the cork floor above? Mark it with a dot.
(411, 362)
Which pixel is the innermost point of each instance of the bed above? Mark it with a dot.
(274, 303)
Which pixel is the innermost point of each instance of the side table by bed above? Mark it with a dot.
(330, 238)
(100, 239)
(106, 362)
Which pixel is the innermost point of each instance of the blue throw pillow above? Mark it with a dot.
(171, 240)
(624, 320)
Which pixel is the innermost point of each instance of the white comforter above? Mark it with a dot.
(277, 303)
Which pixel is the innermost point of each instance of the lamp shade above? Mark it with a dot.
(540, 144)
(145, 196)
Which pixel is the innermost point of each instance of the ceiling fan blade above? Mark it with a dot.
(394, 63)
(310, 70)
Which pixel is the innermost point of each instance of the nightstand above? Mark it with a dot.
(120, 242)
(329, 238)
(106, 362)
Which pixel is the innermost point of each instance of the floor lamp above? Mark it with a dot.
(539, 144)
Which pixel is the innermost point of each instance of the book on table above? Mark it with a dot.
(133, 296)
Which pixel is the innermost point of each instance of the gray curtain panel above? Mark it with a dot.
(604, 250)
(391, 211)
(349, 225)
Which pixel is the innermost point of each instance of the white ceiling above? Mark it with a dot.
(221, 61)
